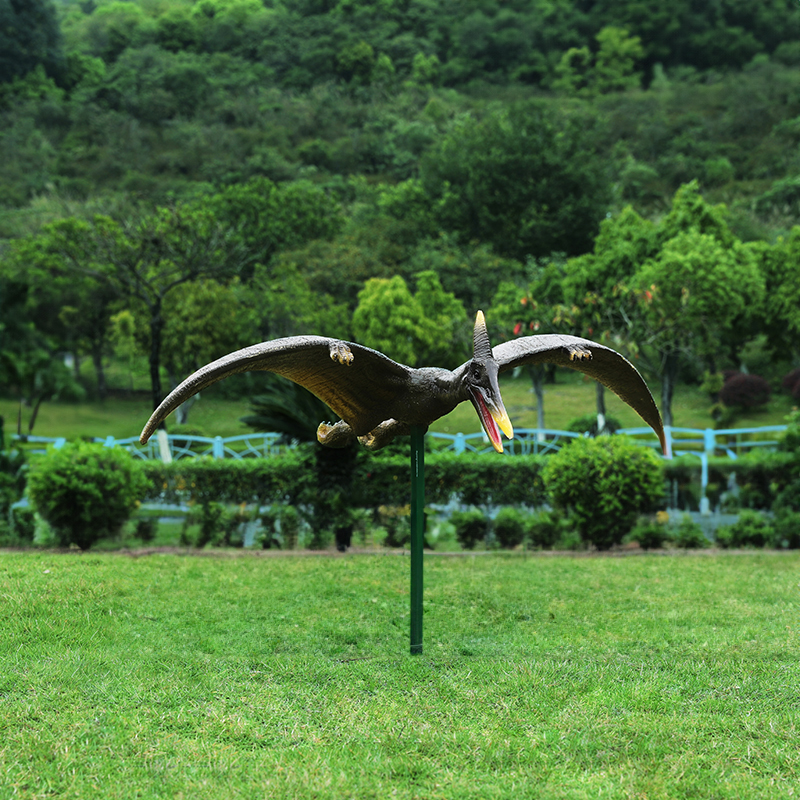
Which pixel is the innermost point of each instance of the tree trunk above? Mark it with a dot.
(182, 411)
(34, 413)
(670, 373)
(99, 371)
(156, 329)
(538, 376)
(601, 407)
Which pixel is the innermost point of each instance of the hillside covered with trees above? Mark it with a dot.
(627, 171)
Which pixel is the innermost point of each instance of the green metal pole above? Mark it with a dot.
(417, 531)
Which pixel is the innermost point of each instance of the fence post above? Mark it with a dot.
(163, 446)
(218, 448)
(709, 441)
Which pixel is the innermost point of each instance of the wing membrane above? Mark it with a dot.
(595, 360)
(358, 383)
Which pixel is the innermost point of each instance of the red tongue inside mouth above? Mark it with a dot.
(487, 420)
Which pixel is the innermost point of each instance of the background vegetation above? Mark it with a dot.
(627, 170)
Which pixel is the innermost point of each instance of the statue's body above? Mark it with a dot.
(378, 399)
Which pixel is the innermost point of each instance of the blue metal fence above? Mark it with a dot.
(703, 443)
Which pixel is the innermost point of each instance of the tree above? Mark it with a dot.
(691, 296)
(452, 330)
(388, 318)
(29, 36)
(72, 310)
(144, 260)
(30, 365)
(206, 320)
(611, 69)
(269, 217)
(529, 180)
(539, 308)
(780, 265)
(426, 328)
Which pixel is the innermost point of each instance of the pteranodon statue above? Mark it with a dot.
(378, 399)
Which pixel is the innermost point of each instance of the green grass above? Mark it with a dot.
(571, 397)
(288, 677)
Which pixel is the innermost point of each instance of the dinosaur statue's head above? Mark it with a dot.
(483, 389)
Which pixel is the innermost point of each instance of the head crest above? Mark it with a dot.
(481, 346)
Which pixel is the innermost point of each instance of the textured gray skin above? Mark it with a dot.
(378, 399)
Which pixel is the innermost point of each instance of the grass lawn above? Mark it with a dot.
(288, 677)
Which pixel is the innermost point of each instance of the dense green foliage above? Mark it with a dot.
(477, 480)
(86, 491)
(378, 171)
(606, 483)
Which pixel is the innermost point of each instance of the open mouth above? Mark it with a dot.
(493, 420)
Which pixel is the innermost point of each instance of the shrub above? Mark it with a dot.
(741, 390)
(146, 528)
(790, 440)
(606, 483)
(280, 527)
(787, 530)
(471, 527)
(688, 534)
(216, 523)
(752, 529)
(86, 491)
(13, 466)
(649, 533)
(18, 528)
(509, 527)
(545, 529)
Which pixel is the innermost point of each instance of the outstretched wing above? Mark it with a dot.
(593, 359)
(358, 383)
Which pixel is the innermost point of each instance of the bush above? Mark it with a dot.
(741, 390)
(86, 491)
(545, 529)
(649, 533)
(509, 527)
(786, 534)
(606, 483)
(688, 534)
(790, 440)
(752, 529)
(146, 528)
(471, 527)
(280, 527)
(17, 529)
(217, 525)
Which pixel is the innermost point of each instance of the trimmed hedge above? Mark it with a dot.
(290, 478)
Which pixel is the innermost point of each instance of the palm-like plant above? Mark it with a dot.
(289, 409)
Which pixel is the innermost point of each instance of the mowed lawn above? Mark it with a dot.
(288, 676)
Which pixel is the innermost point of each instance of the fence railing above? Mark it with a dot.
(703, 443)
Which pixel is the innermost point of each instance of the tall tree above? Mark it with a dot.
(528, 179)
(29, 37)
(144, 260)
(691, 296)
